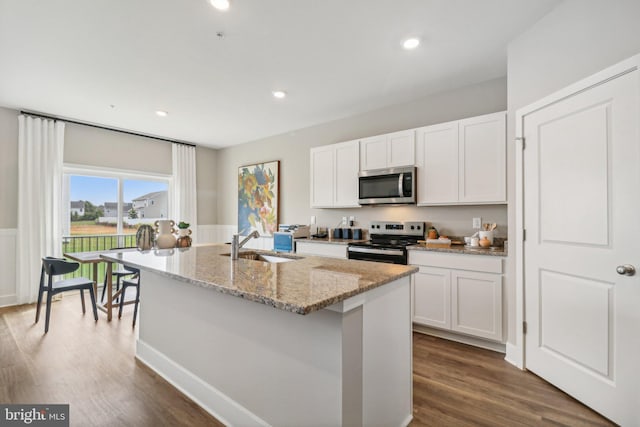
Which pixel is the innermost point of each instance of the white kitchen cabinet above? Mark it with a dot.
(458, 293)
(321, 249)
(334, 175)
(432, 297)
(388, 151)
(483, 159)
(437, 161)
(462, 162)
(476, 304)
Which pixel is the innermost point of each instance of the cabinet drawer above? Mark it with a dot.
(482, 263)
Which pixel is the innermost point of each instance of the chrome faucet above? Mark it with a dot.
(236, 244)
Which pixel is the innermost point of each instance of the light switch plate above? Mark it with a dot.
(477, 223)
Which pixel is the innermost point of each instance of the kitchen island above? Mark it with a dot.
(314, 341)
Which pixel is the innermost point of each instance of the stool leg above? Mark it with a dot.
(40, 292)
(93, 303)
(104, 287)
(118, 277)
(135, 307)
(124, 289)
(48, 314)
(84, 309)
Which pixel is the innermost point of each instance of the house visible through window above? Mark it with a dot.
(105, 203)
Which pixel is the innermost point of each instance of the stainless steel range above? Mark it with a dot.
(388, 242)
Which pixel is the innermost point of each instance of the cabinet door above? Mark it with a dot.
(401, 148)
(482, 156)
(437, 160)
(432, 297)
(322, 177)
(476, 304)
(347, 165)
(373, 153)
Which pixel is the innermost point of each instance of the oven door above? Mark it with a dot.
(387, 186)
(388, 255)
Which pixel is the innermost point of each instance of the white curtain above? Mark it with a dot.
(40, 152)
(185, 207)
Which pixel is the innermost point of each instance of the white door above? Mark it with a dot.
(582, 216)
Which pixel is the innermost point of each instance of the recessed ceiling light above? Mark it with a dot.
(162, 113)
(411, 43)
(279, 94)
(220, 4)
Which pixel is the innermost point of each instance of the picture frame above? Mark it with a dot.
(259, 198)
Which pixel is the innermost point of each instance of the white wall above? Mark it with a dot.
(8, 168)
(573, 41)
(292, 149)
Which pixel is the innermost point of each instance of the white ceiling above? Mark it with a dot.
(335, 58)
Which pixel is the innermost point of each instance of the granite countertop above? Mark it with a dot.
(331, 241)
(302, 286)
(461, 249)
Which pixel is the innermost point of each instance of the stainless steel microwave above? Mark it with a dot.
(387, 186)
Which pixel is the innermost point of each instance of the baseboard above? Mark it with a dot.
(513, 356)
(407, 421)
(7, 300)
(464, 339)
(212, 400)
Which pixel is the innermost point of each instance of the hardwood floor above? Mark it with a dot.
(91, 366)
(459, 385)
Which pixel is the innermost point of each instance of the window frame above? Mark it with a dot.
(120, 175)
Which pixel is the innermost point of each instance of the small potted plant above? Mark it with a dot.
(184, 239)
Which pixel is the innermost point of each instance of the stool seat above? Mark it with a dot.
(71, 284)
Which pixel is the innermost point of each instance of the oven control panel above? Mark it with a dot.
(409, 228)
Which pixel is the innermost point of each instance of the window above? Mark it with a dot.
(108, 202)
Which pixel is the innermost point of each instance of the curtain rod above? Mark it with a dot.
(128, 132)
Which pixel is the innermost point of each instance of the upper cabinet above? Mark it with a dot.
(387, 151)
(334, 175)
(463, 161)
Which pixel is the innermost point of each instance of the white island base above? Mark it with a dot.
(251, 364)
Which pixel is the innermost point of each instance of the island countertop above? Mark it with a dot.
(302, 286)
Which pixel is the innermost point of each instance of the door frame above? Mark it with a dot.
(516, 352)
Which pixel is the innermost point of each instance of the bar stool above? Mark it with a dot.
(127, 283)
(55, 267)
(119, 273)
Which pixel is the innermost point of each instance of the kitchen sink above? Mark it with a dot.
(265, 257)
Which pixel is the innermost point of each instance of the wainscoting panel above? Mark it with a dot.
(8, 242)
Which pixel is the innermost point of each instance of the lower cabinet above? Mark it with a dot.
(453, 297)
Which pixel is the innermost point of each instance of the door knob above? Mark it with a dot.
(626, 270)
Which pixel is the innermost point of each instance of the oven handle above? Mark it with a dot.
(400, 179)
(375, 251)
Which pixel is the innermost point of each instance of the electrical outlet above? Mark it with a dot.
(477, 223)
(313, 219)
(344, 220)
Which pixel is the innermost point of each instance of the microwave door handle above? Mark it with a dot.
(400, 179)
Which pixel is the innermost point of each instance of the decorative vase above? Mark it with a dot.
(184, 239)
(144, 237)
(164, 237)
